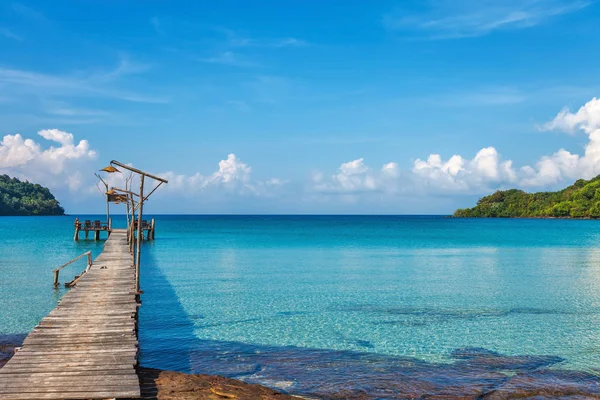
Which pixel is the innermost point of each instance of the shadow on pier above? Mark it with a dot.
(168, 342)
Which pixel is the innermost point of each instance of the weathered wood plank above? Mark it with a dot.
(72, 374)
(97, 352)
(77, 359)
(53, 368)
(73, 395)
(80, 382)
(87, 346)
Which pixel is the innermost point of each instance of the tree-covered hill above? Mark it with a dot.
(24, 198)
(580, 200)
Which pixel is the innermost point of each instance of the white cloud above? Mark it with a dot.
(233, 176)
(563, 164)
(354, 177)
(63, 165)
(484, 172)
(586, 119)
(435, 175)
(470, 18)
(52, 166)
(485, 169)
(231, 170)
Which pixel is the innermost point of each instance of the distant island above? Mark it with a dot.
(24, 198)
(580, 200)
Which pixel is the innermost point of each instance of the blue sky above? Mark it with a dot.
(326, 107)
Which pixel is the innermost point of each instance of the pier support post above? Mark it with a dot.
(97, 235)
(76, 237)
(139, 236)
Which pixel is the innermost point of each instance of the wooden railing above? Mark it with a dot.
(57, 270)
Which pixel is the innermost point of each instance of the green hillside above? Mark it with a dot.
(24, 198)
(580, 200)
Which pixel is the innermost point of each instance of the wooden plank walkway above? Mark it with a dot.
(86, 348)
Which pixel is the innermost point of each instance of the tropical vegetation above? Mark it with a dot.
(24, 198)
(580, 200)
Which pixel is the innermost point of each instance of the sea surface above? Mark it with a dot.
(343, 306)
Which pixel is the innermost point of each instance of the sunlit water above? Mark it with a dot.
(237, 295)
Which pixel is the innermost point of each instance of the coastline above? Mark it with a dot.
(171, 385)
(479, 376)
(561, 218)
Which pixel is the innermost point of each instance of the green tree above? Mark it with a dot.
(580, 200)
(24, 198)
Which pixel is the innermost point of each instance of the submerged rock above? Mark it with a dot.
(335, 375)
(167, 385)
(487, 359)
(548, 384)
(8, 343)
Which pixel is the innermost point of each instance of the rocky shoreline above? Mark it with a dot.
(476, 374)
(169, 385)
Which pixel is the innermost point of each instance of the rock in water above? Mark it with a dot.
(167, 385)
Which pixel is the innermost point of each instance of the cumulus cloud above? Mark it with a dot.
(485, 169)
(563, 164)
(62, 164)
(484, 172)
(233, 176)
(587, 118)
(54, 166)
(354, 177)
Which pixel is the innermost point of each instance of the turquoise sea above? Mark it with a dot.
(318, 304)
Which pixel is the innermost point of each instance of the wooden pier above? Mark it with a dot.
(87, 347)
(87, 226)
(96, 227)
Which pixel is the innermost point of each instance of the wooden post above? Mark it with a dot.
(107, 208)
(132, 228)
(56, 278)
(151, 235)
(87, 234)
(139, 236)
(96, 235)
(89, 259)
(76, 238)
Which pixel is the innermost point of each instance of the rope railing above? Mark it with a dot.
(57, 270)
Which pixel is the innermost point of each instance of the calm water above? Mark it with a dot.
(300, 303)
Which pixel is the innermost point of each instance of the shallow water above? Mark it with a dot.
(304, 303)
